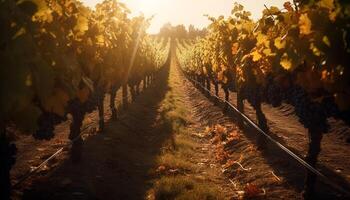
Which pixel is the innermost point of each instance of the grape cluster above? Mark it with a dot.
(311, 114)
(251, 94)
(345, 116)
(91, 104)
(331, 109)
(274, 95)
(329, 106)
(46, 125)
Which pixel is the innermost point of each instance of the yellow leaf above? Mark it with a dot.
(215, 67)
(82, 24)
(100, 39)
(256, 55)
(315, 50)
(285, 62)
(44, 13)
(329, 4)
(268, 52)
(304, 24)
(274, 10)
(326, 41)
(279, 43)
(262, 39)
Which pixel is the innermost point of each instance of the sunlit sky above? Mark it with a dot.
(189, 11)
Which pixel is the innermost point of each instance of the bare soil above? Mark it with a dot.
(334, 159)
(123, 162)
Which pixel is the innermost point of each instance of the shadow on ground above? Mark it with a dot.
(286, 167)
(116, 163)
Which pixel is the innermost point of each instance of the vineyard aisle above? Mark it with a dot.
(161, 149)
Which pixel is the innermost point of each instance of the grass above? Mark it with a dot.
(177, 153)
(174, 161)
(173, 112)
(183, 188)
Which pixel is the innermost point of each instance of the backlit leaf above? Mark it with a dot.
(256, 55)
(279, 43)
(315, 50)
(262, 39)
(268, 52)
(304, 24)
(329, 4)
(326, 41)
(285, 62)
(82, 24)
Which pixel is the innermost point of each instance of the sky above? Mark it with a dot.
(189, 11)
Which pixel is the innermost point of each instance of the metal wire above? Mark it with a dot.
(58, 152)
(285, 149)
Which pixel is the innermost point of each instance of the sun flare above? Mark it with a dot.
(148, 7)
(188, 11)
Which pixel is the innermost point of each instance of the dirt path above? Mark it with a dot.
(206, 114)
(286, 128)
(33, 152)
(165, 147)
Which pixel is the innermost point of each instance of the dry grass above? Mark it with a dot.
(182, 187)
(174, 161)
(176, 155)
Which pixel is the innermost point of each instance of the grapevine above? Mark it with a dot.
(298, 55)
(61, 57)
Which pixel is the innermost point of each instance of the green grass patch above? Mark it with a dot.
(177, 153)
(184, 188)
(174, 161)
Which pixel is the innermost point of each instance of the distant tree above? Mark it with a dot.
(166, 30)
(181, 32)
(194, 32)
